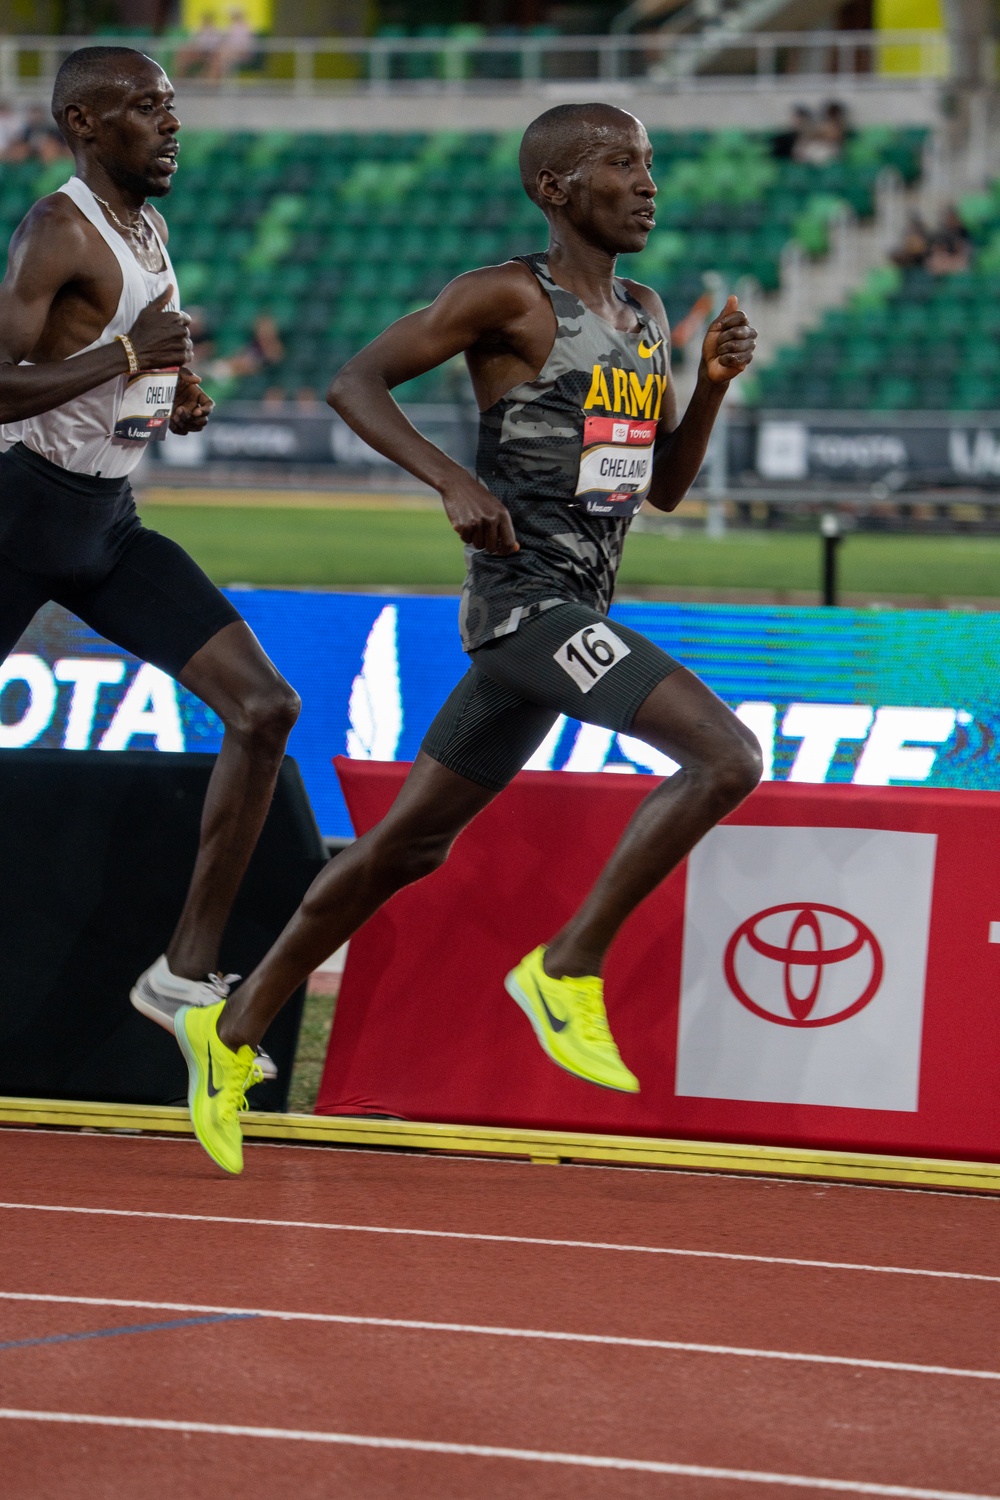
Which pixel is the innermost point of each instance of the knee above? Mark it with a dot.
(266, 718)
(402, 861)
(736, 772)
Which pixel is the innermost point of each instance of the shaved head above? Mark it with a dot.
(563, 138)
(92, 74)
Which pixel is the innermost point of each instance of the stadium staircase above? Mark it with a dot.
(904, 340)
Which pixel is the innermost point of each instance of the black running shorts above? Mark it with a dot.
(569, 660)
(79, 541)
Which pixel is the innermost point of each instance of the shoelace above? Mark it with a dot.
(220, 984)
(234, 1100)
(593, 1018)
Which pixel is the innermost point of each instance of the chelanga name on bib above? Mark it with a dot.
(616, 462)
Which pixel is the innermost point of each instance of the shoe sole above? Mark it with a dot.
(143, 1006)
(194, 1069)
(516, 993)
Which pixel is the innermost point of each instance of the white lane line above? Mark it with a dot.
(490, 1331)
(500, 1239)
(479, 1450)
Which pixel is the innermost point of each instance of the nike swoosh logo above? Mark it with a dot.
(209, 1080)
(646, 351)
(554, 1021)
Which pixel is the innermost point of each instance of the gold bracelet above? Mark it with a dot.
(126, 343)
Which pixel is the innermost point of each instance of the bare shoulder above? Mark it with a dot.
(54, 217)
(158, 222)
(500, 294)
(53, 233)
(651, 301)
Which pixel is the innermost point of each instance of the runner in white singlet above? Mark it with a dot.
(94, 358)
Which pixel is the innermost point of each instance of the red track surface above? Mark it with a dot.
(832, 1422)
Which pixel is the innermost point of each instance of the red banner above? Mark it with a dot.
(824, 971)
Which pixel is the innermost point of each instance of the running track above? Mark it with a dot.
(376, 1325)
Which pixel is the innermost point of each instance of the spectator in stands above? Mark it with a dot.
(12, 123)
(307, 399)
(235, 47)
(263, 351)
(785, 144)
(38, 139)
(824, 142)
(913, 249)
(689, 330)
(198, 55)
(950, 246)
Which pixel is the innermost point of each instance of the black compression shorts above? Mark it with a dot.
(569, 660)
(79, 541)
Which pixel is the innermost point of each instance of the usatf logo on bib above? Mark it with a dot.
(616, 466)
(146, 406)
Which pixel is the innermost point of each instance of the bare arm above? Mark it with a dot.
(681, 446)
(470, 308)
(49, 254)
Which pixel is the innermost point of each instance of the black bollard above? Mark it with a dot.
(830, 532)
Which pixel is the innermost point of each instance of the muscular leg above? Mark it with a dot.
(412, 841)
(258, 708)
(21, 596)
(720, 765)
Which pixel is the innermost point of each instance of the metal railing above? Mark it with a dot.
(469, 64)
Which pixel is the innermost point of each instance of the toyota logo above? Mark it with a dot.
(804, 965)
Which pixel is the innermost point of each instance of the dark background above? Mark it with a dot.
(96, 851)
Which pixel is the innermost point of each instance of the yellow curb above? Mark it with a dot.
(546, 1146)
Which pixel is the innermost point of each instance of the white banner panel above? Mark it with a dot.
(805, 951)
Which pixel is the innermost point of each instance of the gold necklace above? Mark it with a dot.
(137, 230)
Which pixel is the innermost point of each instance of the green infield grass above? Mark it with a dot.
(336, 547)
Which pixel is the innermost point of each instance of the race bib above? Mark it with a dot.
(616, 465)
(590, 653)
(146, 406)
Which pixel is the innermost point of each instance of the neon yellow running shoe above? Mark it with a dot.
(218, 1081)
(570, 1022)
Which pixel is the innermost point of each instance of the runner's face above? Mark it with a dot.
(136, 135)
(611, 190)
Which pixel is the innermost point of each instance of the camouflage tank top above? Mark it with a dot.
(570, 454)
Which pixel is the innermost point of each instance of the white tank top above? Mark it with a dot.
(79, 434)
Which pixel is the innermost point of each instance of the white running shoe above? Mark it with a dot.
(159, 995)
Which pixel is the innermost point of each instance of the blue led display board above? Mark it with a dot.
(874, 697)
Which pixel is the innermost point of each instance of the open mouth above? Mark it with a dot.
(167, 160)
(646, 217)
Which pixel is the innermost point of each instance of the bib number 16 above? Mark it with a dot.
(589, 654)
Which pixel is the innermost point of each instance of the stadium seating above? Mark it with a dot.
(908, 340)
(336, 235)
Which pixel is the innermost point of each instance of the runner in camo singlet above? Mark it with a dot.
(551, 450)
(579, 424)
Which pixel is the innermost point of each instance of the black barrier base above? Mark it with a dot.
(96, 851)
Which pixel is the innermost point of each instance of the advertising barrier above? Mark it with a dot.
(823, 972)
(897, 449)
(833, 695)
(243, 432)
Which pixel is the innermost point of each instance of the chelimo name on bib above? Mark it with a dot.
(616, 465)
(146, 406)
